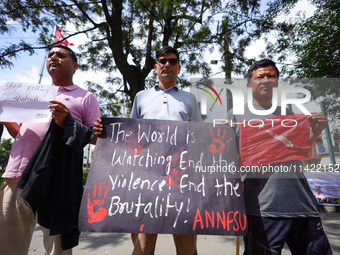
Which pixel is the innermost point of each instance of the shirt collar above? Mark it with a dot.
(69, 88)
(158, 87)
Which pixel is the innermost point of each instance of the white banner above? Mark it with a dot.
(326, 191)
(26, 102)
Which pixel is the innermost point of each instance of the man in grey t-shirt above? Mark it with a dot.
(281, 208)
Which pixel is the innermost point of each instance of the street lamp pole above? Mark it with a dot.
(328, 136)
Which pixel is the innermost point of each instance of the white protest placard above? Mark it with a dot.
(26, 102)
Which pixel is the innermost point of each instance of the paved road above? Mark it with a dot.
(120, 244)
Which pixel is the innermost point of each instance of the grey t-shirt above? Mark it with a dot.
(276, 194)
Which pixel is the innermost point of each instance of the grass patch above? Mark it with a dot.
(85, 174)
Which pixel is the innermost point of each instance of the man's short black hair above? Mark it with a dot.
(166, 49)
(261, 63)
(70, 52)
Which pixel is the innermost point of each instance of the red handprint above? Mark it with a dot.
(137, 149)
(101, 212)
(221, 145)
(175, 175)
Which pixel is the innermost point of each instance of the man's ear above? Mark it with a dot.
(179, 69)
(75, 66)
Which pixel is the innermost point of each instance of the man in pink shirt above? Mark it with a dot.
(17, 221)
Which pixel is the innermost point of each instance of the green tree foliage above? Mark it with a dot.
(123, 35)
(242, 24)
(5, 150)
(313, 46)
(110, 104)
(37, 16)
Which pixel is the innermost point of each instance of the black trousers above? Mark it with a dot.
(304, 236)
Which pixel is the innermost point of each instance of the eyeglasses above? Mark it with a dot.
(172, 61)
